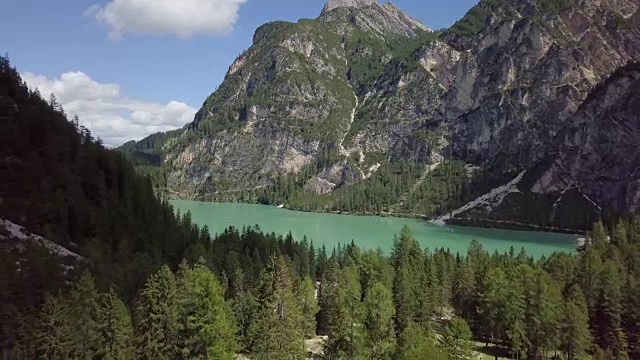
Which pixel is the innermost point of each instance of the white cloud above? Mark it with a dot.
(183, 18)
(106, 111)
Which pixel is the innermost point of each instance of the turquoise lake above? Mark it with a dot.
(368, 232)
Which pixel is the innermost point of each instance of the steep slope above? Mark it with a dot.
(89, 207)
(288, 101)
(325, 114)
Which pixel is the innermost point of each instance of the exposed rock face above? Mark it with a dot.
(383, 20)
(599, 150)
(358, 4)
(503, 90)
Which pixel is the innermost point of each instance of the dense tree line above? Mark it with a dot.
(265, 295)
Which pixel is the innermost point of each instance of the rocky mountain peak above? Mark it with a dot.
(334, 4)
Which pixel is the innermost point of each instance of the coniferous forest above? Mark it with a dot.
(153, 285)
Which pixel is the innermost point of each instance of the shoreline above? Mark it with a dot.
(464, 222)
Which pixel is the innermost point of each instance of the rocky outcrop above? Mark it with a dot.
(382, 20)
(358, 4)
(598, 152)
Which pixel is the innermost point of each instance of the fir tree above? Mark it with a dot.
(406, 258)
(277, 331)
(378, 321)
(52, 334)
(456, 339)
(344, 320)
(115, 330)
(414, 343)
(206, 328)
(306, 294)
(575, 335)
(83, 316)
(608, 314)
(156, 328)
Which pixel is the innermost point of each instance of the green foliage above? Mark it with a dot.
(206, 328)
(62, 183)
(406, 258)
(456, 339)
(342, 298)
(378, 321)
(575, 336)
(552, 7)
(415, 343)
(308, 305)
(156, 317)
(52, 340)
(115, 330)
(278, 332)
(83, 310)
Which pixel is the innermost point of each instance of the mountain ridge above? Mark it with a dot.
(347, 98)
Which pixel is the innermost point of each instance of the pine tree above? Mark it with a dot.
(344, 322)
(608, 314)
(494, 303)
(83, 308)
(456, 339)
(406, 258)
(515, 311)
(465, 292)
(543, 301)
(619, 236)
(598, 235)
(115, 331)
(575, 335)
(157, 317)
(378, 321)
(52, 334)
(631, 306)
(306, 294)
(277, 332)
(414, 343)
(206, 327)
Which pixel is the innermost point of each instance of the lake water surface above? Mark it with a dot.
(368, 231)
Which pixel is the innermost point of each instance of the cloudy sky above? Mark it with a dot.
(129, 68)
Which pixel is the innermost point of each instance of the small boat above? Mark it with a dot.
(280, 206)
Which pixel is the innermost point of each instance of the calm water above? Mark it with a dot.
(368, 231)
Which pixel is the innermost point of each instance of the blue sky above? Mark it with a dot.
(131, 67)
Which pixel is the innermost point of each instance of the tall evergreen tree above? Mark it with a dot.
(83, 307)
(206, 328)
(306, 295)
(156, 327)
(406, 257)
(495, 304)
(575, 336)
(378, 321)
(543, 302)
(456, 339)
(608, 314)
(115, 330)
(52, 333)
(415, 343)
(277, 332)
(345, 321)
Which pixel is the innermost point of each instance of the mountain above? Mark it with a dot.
(364, 109)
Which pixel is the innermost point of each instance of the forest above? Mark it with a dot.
(251, 293)
(153, 285)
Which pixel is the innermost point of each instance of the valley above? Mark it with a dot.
(235, 236)
(347, 111)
